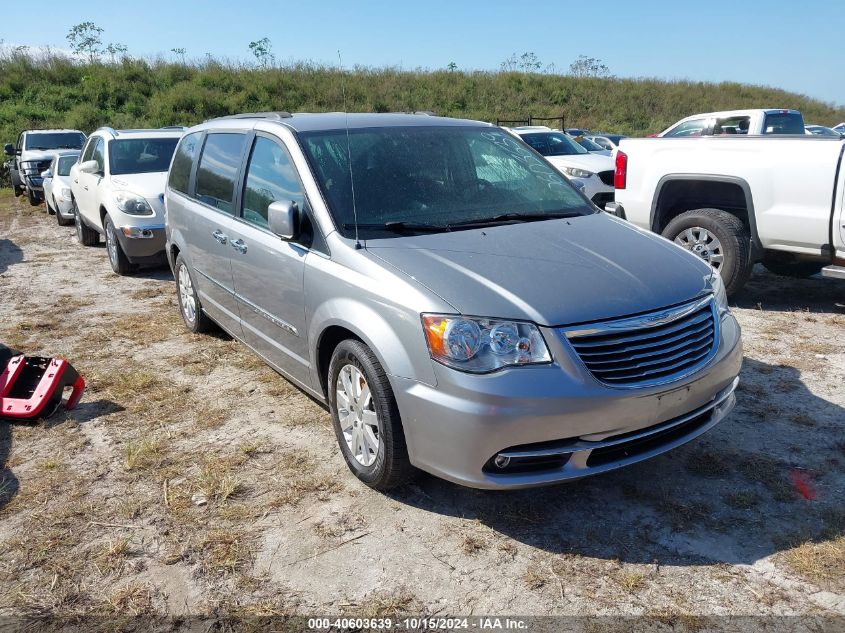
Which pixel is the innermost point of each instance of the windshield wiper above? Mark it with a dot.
(517, 217)
(401, 227)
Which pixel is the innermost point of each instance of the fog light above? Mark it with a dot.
(137, 232)
(502, 461)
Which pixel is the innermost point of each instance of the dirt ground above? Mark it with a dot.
(192, 479)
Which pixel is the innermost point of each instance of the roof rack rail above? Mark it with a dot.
(106, 128)
(254, 115)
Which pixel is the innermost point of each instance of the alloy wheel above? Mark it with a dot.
(357, 415)
(703, 243)
(111, 245)
(186, 295)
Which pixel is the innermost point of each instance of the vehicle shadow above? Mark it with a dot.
(767, 478)
(156, 273)
(771, 292)
(10, 254)
(8, 482)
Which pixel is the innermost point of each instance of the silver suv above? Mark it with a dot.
(454, 301)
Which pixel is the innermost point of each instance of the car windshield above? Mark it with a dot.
(55, 140)
(589, 145)
(65, 163)
(553, 144)
(434, 179)
(141, 156)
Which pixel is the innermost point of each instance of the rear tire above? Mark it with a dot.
(732, 237)
(84, 235)
(369, 418)
(33, 198)
(117, 258)
(188, 298)
(786, 265)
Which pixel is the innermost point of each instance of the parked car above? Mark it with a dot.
(839, 128)
(593, 148)
(749, 122)
(117, 188)
(576, 131)
(820, 130)
(567, 155)
(738, 200)
(607, 141)
(448, 295)
(32, 154)
(56, 182)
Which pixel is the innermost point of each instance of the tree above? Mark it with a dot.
(527, 62)
(114, 49)
(180, 52)
(588, 67)
(452, 66)
(84, 39)
(263, 51)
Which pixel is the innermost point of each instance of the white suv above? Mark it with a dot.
(117, 187)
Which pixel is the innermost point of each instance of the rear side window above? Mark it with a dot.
(271, 177)
(180, 170)
(218, 170)
(784, 123)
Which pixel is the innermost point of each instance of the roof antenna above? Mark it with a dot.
(348, 149)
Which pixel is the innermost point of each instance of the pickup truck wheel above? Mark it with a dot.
(189, 302)
(720, 239)
(117, 258)
(33, 198)
(787, 266)
(366, 418)
(18, 191)
(84, 235)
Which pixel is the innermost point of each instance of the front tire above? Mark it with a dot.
(117, 258)
(720, 239)
(366, 417)
(33, 197)
(190, 306)
(84, 235)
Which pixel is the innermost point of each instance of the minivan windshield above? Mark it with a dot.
(141, 156)
(434, 178)
(54, 140)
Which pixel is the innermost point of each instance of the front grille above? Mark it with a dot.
(607, 177)
(649, 349)
(35, 167)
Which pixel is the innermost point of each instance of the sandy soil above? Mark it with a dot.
(194, 480)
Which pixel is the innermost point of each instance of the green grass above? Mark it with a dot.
(54, 91)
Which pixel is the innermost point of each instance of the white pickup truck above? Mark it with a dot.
(736, 200)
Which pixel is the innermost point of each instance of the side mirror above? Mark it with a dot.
(283, 218)
(9, 149)
(47, 174)
(89, 167)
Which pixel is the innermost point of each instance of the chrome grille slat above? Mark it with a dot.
(609, 339)
(701, 339)
(649, 349)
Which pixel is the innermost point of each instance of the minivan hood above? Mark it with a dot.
(554, 272)
(591, 162)
(147, 185)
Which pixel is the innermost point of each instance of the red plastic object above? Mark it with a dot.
(32, 387)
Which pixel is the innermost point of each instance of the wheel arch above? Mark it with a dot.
(677, 193)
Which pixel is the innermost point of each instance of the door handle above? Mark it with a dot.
(85, 187)
(239, 245)
(219, 236)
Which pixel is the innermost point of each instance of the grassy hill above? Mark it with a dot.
(54, 91)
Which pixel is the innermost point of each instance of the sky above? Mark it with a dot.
(780, 43)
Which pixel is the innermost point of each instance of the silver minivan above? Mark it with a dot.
(457, 305)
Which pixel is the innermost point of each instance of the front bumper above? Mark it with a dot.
(456, 429)
(142, 244)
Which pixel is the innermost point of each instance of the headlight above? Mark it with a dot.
(132, 204)
(483, 345)
(575, 172)
(718, 287)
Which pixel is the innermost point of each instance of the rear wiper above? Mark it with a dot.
(401, 227)
(517, 217)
